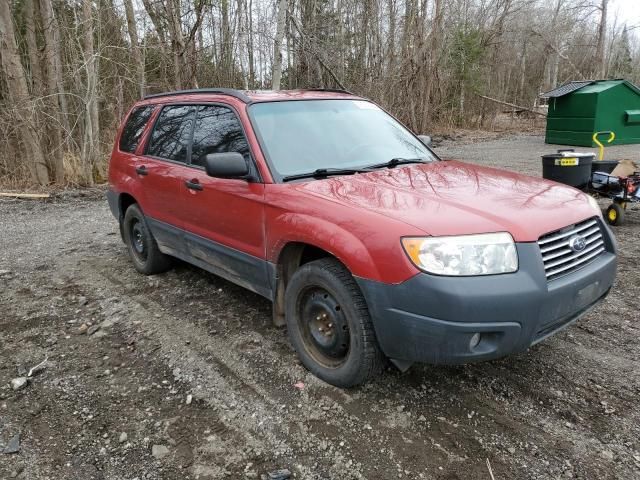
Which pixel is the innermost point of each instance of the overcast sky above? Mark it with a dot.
(628, 11)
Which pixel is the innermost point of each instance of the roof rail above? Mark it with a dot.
(204, 91)
(335, 90)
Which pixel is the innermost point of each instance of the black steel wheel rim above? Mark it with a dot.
(139, 240)
(324, 327)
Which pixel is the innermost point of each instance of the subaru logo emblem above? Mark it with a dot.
(577, 243)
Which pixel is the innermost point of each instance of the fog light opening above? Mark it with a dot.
(475, 340)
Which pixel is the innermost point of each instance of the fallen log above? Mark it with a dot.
(511, 105)
(24, 195)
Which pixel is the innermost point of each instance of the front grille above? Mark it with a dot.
(559, 259)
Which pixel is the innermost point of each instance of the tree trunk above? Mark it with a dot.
(550, 56)
(226, 57)
(177, 41)
(601, 65)
(252, 70)
(135, 45)
(241, 33)
(434, 55)
(277, 45)
(58, 126)
(19, 96)
(52, 53)
(90, 142)
(37, 82)
(523, 73)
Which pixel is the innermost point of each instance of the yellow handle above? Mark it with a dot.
(612, 137)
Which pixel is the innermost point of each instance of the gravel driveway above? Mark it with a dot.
(183, 376)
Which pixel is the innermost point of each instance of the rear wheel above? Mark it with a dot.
(143, 249)
(329, 324)
(615, 214)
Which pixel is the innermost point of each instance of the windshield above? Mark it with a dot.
(305, 135)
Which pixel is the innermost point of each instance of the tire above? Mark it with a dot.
(615, 214)
(143, 248)
(329, 324)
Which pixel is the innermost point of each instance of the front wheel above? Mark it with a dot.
(329, 324)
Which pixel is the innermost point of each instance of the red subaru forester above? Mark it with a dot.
(368, 245)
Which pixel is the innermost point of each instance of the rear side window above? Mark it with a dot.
(217, 130)
(172, 132)
(134, 127)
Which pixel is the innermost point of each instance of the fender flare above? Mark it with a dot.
(328, 236)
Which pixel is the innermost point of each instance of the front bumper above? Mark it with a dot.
(432, 318)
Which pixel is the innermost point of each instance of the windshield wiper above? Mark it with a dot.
(324, 172)
(396, 161)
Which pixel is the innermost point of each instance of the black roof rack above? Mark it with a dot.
(203, 91)
(335, 90)
(232, 92)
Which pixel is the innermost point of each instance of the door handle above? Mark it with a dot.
(142, 170)
(193, 185)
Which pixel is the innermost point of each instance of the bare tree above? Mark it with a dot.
(74, 67)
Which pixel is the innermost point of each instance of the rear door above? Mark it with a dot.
(224, 218)
(161, 170)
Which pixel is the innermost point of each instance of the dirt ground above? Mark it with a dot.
(187, 378)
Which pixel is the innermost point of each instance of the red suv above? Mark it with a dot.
(368, 245)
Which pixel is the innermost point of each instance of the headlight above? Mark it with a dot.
(485, 254)
(594, 203)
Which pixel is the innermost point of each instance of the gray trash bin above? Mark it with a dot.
(568, 167)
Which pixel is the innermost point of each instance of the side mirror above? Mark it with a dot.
(226, 165)
(426, 139)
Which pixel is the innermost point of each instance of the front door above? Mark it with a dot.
(224, 218)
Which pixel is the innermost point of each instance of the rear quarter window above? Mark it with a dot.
(132, 130)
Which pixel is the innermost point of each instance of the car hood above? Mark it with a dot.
(456, 198)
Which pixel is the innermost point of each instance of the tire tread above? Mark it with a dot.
(372, 361)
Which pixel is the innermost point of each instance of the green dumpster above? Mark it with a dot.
(578, 109)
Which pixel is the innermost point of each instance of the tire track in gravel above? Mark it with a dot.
(220, 364)
(224, 381)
